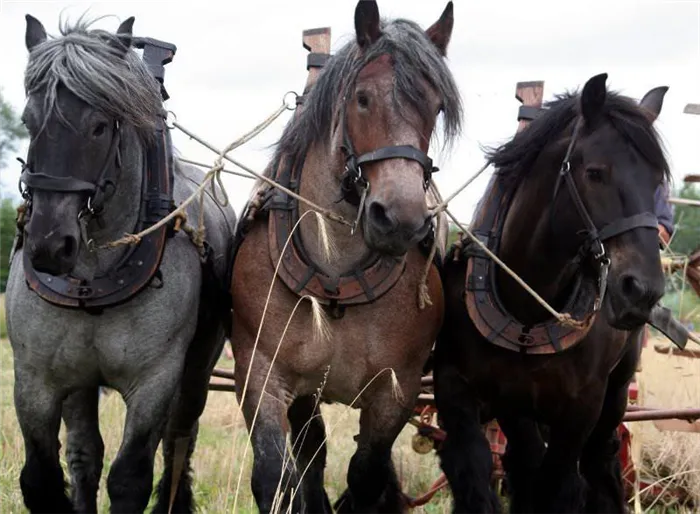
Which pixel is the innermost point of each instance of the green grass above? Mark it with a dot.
(3, 320)
(219, 455)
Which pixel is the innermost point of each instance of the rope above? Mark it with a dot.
(443, 204)
(202, 165)
(325, 212)
(423, 292)
(564, 318)
(213, 176)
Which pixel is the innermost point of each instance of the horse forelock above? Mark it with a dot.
(516, 158)
(414, 58)
(90, 65)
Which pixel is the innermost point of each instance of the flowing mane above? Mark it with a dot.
(91, 65)
(413, 55)
(515, 158)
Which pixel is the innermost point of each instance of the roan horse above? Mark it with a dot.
(358, 143)
(143, 319)
(571, 212)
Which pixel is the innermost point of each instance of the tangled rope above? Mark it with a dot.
(213, 177)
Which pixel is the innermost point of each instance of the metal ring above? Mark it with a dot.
(287, 104)
(169, 114)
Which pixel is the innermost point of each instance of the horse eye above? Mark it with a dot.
(595, 173)
(362, 100)
(99, 129)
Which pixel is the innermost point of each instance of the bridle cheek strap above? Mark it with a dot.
(593, 244)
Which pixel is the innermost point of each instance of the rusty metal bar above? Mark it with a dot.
(222, 373)
(684, 201)
(223, 387)
(694, 354)
(655, 414)
(634, 412)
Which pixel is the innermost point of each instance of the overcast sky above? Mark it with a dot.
(236, 59)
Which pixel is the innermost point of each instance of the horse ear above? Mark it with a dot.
(440, 32)
(593, 97)
(35, 33)
(124, 33)
(367, 23)
(652, 102)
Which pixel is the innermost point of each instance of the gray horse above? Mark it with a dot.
(147, 320)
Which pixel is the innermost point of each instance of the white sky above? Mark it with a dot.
(236, 59)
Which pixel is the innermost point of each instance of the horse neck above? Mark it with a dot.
(121, 211)
(527, 247)
(318, 183)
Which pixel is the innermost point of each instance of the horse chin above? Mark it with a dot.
(624, 317)
(386, 245)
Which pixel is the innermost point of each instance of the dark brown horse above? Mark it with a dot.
(570, 211)
(358, 143)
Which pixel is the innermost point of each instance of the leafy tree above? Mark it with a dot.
(686, 238)
(8, 214)
(12, 131)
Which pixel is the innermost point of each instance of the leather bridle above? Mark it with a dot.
(98, 191)
(593, 243)
(354, 184)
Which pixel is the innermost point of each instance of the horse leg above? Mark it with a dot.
(465, 455)
(559, 488)
(39, 414)
(372, 482)
(524, 454)
(273, 476)
(600, 463)
(130, 481)
(309, 447)
(181, 431)
(84, 449)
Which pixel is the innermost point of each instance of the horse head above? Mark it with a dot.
(87, 95)
(620, 165)
(590, 166)
(374, 109)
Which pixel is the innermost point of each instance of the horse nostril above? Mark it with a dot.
(632, 287)
(70, 247)
(379, 216)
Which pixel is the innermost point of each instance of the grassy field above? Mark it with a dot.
(671, 458)
(218, 459)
